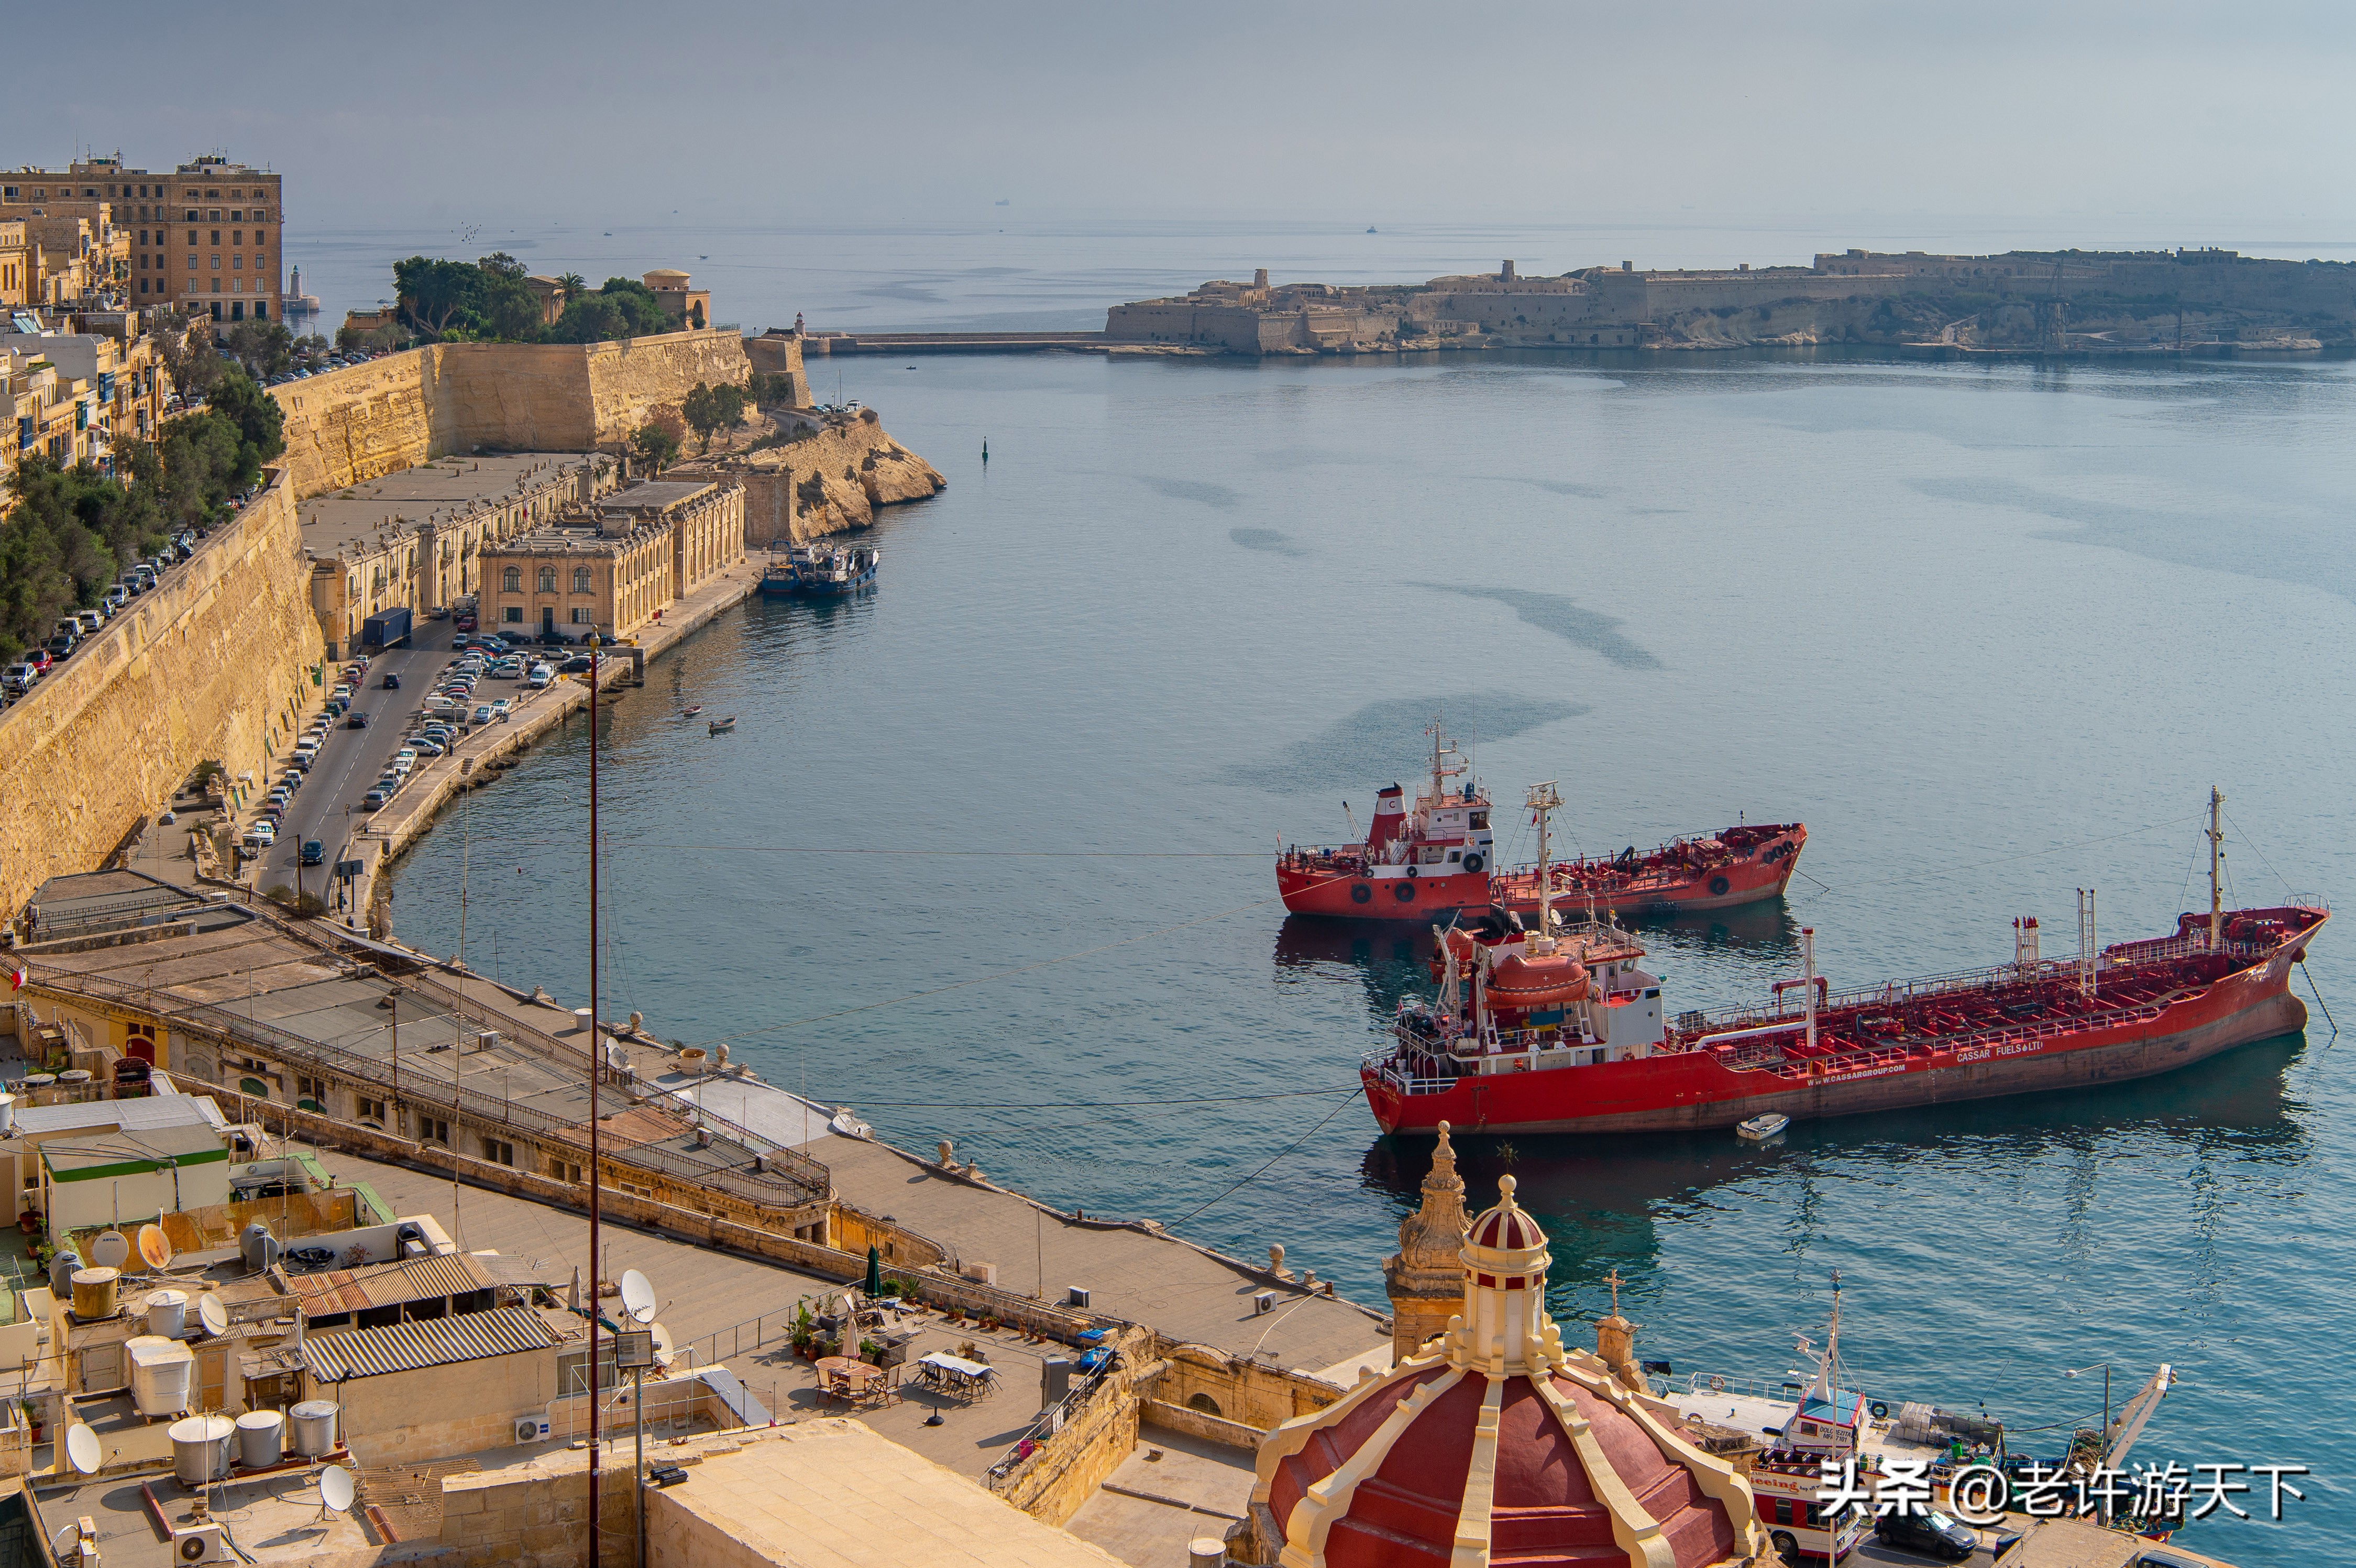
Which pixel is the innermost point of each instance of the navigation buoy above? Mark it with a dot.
(985, 452)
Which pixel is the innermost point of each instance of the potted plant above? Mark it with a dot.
(869, 1351)
(804, 1330)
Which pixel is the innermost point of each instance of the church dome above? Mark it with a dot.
(1496, 1445)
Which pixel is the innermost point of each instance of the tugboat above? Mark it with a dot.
(1439, 858)
(1559, 1028)
(1433, 860)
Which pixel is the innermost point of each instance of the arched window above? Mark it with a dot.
(548, 580)
(512, 580)
(1205, 1403)
(580, 580)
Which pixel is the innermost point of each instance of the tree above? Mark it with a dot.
(186, 350)
(264, 347)
(711, 409)
(574, 284)
(660, 439)
(259, 421)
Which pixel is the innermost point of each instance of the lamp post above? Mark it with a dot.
(596, 1521)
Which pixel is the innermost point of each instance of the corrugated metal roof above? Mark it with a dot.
(142, 1115)
(389, 1284)
(443, 1341)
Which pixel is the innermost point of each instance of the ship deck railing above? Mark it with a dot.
(2116, 963)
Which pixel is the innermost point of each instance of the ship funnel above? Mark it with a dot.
(1390, 815)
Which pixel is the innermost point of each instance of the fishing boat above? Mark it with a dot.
(1791, 1424)
(1437, 856)
(819, 570)
(692, 712)
(1555, 1028)
(722, 726)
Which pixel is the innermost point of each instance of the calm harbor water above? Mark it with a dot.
(1991, 630)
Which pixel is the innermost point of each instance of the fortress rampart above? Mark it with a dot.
(395, 412)
(212, 665)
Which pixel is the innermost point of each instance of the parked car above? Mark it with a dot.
(428, 747)
(374, 800)
(18, 678)
(117, 597)
(60, 647)
(482, 714)
(90, 620)
(39, 659)
(1931, 1535)
(404, 759)
(358, 720)
(499, 709)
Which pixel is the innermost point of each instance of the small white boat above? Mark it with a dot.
(1758, 1130)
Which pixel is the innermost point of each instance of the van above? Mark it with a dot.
(70, 628)
(92, 620)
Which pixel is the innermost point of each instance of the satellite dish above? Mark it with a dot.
(81, 1447)
(335, 1488)
(112, 1249)
(637, 1296)
(154, 1247)
(211, 1316)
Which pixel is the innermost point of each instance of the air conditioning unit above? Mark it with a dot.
(983, 1273)
(199, 1543)
(1076, 1295)
(530, 1429)
(1264, 1302)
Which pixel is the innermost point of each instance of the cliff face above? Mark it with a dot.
(828, 482)
(395, 412)
(211, 666)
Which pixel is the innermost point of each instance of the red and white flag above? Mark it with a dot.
(17, 975)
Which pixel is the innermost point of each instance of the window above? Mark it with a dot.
(311, 1088)
(512, 580)
(563, 1170)
(373, 1111)
(548, 580)
(498, 1152)
(216, 256)
(216, 233)
(512, 612)
(192, 260)
(581, 616)
(432, 1130)
(236, 236)
(580, 580)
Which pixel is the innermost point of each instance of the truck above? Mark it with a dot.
(385, 628)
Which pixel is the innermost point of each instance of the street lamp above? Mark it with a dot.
(2106, 1366)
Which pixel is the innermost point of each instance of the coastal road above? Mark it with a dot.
(328, 807)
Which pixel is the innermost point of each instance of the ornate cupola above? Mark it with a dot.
(1495, 1445)
(1425, 1278)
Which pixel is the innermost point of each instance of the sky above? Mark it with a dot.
(2186, 123)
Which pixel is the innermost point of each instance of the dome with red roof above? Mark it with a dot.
(1494, 1444)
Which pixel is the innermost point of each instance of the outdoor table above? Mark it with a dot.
(958, 1374)
(852, 1376)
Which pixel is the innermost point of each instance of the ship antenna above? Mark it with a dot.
(1543, 799)
(2216, 853)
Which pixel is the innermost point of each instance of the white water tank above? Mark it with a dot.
(162, 1374)
(314, 1428)
(168, 1313)
(200, 1448)
(261, 1439)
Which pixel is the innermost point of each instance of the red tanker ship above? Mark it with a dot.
(1439, 858)
(1559, 1030)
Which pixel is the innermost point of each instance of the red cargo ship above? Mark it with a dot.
(1439, 858)
(1559, 1028)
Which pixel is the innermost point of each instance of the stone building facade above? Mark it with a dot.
(706, 519)
(607, 575)
(206, 237)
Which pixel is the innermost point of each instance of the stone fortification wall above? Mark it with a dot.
(209, 667)
(395, 412)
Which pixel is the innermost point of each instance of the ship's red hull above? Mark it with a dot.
(1745, 866)
(1698, 1089)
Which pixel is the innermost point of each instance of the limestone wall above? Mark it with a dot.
(211, 666)
(536, 1515)
(830, 482)
(395, 412)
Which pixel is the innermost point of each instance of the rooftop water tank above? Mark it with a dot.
(94, 1293)
(201, 1447)
(168, 1313)
(314, 1428)
(163, 1372)
(259, 1247)
(261, 1439)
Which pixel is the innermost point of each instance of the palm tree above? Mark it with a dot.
(574, 284)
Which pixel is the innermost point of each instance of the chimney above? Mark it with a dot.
(1627, 266)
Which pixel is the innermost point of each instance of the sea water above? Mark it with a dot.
(989, 855)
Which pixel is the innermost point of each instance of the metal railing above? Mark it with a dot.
(775, 1189)
(1051, 1421)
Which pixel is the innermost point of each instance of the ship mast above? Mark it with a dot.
(2216, 854)
(1543, 799)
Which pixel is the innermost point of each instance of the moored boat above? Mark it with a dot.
(1435, 856)
(819, 570)
(722, 725)
(1603, 1058)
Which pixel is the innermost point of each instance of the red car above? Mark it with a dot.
(39, 659)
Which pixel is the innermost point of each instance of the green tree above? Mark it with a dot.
(185, 349)
(711, 409)
(259, 421)
(265, 348)
(656, 444)
(574, 284)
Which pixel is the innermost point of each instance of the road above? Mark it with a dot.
(328, 807)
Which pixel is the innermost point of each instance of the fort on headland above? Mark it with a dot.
(2038, 302)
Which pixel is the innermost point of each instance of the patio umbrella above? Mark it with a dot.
(874, 1274)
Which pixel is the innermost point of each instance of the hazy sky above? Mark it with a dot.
(2200, 123)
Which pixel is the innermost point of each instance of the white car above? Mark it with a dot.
(260, 836)
(499, 709)
(403, 760)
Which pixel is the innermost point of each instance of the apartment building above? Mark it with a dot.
(207, 236)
